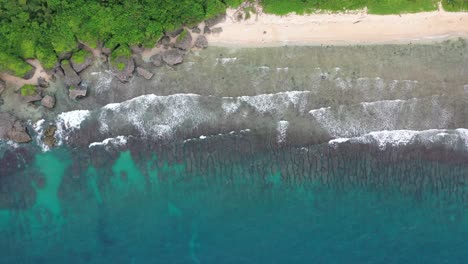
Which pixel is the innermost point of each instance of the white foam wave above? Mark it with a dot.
(356, 120)
(69, 121)
(456, 139)
(281, 131)
(116, 141)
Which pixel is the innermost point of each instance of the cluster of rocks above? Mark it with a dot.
(40, 95)
(11, 128)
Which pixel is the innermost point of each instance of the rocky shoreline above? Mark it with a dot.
(170, 50)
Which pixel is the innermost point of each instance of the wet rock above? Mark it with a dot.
(157, 60)
(71, 77)
(165, 40)
(216, 30)
(2, 85)
(196, 30)
(184, 41)
(31, 98)
(12, 129)
(201, 42)
(173, 57)
(42, 82)
(144, 73)
(79, 67)
(216, 20)
(176, 32)
(49, 136)
(206, 30)
(76, 92)
(127, 72)
(48, 101)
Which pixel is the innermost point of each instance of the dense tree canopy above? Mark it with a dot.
(44, 29)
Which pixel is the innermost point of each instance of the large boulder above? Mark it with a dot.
(2, 85)
(79, 67)
(42, 82)
(126, 73)
(77, 92)
(215, 20)
(12, 129)
(157, 60)
(201, 42)
(175, 33)
(173, 57)
(216, 30)
(71, 77)
(164, 41)
(31, 98)
(48, 101)
(144, 73)
(184, 41)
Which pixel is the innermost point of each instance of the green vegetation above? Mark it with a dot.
(45, 29)
(13, 64)
(455, 5)
(182, 35)
(28, 90)
(120, 66)
(283, 7)
(80, 56)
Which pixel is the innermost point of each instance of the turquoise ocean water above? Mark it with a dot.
(232, 201)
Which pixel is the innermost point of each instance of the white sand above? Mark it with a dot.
(340, 29)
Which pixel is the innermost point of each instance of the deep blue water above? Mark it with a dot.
(213, 204)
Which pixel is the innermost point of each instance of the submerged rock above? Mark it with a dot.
(12, 129)
(173, 57)
(157, 60)
(144, 73)
(201, 42)
(184, 41)
(48, 101)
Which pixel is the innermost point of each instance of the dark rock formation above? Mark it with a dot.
(71, 77)
(206, 30)
(215, 20)
(12, 129)
(196, 30)
(157, 60)
(216, 30)
(65, 55)
(42, 82)
(2, 85)
(144, 73)
(77, 92)
(173, 57)
(175, 33)
(48, 101)
(49, 136)
(165, 40)
(201, 42)
(31, 98)
(79, 67)
(184, 41)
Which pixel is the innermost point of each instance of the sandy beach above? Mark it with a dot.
(340, 29)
